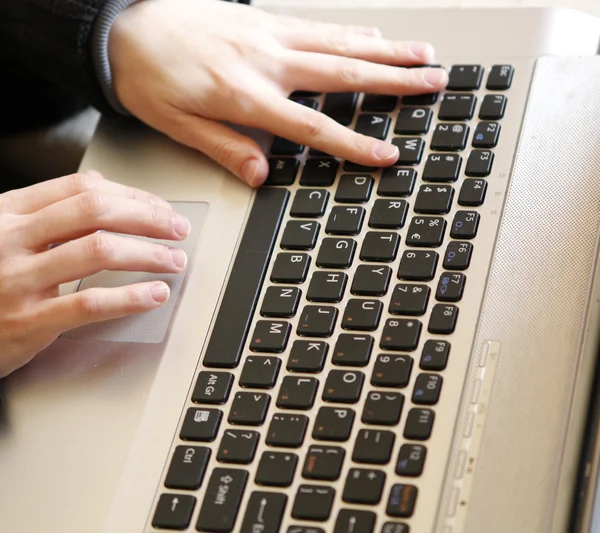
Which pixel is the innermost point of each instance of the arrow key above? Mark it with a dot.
(351, 521)
(364, 486)
(174, 511)
(264, 512)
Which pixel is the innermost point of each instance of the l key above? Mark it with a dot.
(264, 512)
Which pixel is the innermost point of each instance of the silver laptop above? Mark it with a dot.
(351, 350)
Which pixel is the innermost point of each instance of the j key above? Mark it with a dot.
(458, 255)
(313, 502)
(319, 172)
(400, 335)
(427, 389)
(464, 78)
(249, 408)
(287, 430)
(443, 319)
(419, 424)
(388, 214)
(426, 231)
(492, 107)
(457, 107)
(411, 150)
(290, 268)
(465, 225)
(353, 521)
(212, 387)
(435, 355)
(379, 103)
(402, 501)
(327, 287)
(317, 321)
(283, 146)
(479, 164)
(373, 446)
(333, 424)
(410, 300)
(307, 356)
(371, 280)
(352, 350)
(187, 467)
(500, 77)
(420, 99)
(486, 135)
(362, 315)
(411, 460)
(383, 408)
(280, 302)
(451, 136)
(222, 500)
(174, 511)
(413, 120)
(397, 182)
(394, 527)
(297, 392)
(309, 203)
(340, 107)
(282, 170)
(276, 469)
(323, 463)
(270, 336)
(260, 372)
(434, 199)
(238, 446)
(392, 370)
(354, 189)
(373, 125)
(336, 253)
(300, 235)
(450, 287)
(345, 220)
(343, 386)
(380, 246)
(363, 486)
(442, 167)
(472, 193)
(265, 511)
(201, 425)
(418, 265)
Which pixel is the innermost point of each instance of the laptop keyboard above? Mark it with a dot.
(336, 324)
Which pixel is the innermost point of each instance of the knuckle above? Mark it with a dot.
(88, 305)
(82, 181)
(310, 125)
(339, 43)
(101, 247)
(348, 71)
(132, 299)
(92, 204)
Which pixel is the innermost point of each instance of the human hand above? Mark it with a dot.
(183, 67)
(72, 210)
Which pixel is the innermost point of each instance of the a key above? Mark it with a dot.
(392, 370)
(492, 107)
(420, 99)
(486, 135)
(264, 512)
(464, 78)
(382, 408)
(362, 315)
(411, 150)
(410, 300)
(336, 253)
(340, 107)
(187, 467)
(297, 393)
(282, 171)
(388, 214)
(419, 424)
(442, 167)
(435, 355)
(401, 502)
(500, 77)
(443, 319)
(379, 103)
(397, 182)
(426, 231)
(363, 486)
(354, 189)
(287, 430)
(373, 125)
(260, 372)
(313, 502)
(300, 235)
(371, 280)
(222, 500)
(317, 321)
(201, 425)
(458, 255)
(352, 350)
(327, 287)
(270, 336)
(457, 107)
(413, 120)
(427, 389)
(472, 193)
(334, 424)
(238, 446)
(323, 463)
(411, 460)
(290, 268)
(307, 356)
(309, 203)
(465, 225)
(249, 408)
(400, 335)
(418, 265)
(174, 511)
(380, 246)
(343, 386)
(345, 220)
(479, 164)
(450, 287)
(276, 469)
(434, 199)
(373, 446)
(319, 172)
(452, 136)
(283, 146)
(212, 387)
(280, 302)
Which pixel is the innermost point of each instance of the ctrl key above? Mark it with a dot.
(222, 500)
(174, 511)
(402, 501)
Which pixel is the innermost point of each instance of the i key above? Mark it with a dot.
(373, 446)
(343, 386)
(323, 463)
(352, 350)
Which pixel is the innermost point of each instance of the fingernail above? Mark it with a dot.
(160, 292)
(386, 151)
(435, 77)
(178, 257)
(181, 225)
(250, 171)
(422, 50)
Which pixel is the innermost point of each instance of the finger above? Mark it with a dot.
(298, 24)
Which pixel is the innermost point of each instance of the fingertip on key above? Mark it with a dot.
(386, 152)
(435, 77)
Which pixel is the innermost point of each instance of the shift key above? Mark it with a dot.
(222, 500)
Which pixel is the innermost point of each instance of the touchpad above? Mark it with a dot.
(150, 327)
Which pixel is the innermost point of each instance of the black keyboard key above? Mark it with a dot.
(420, 99)
(480, 163)
(435, 355)
(282, 170)
(373, 446)
(270, 336)
(411, 150)
(465, 225)
(319, 172)
(260, 372)
(442, 167)
(426, 231)
(327, 287)
(363, 486)
(352, 350)
(283, 146)
(388, 214)
(276, 469)
(290, 268)
(309, 203)
(313, 502)
(340, 107)
(492, 107)
(464, 78)
(434, 199)
(280, 302)
(317, 321)
(413, 120)
(343, 386)
(333, 424)
(450, 287)
(380, 246)
(371, 280)
(392, 370)
(411, 460)
(287, 430)
(452, 136)
(500, 77)
(336, 253)
(362, 315)
(419, 424)
(222, 500)
(297, 393)
(394, 527)
(382, 408)
(212, 387)
(472, 193)
(304, 529)
(304, 94)
(427, 389)
(354, 189)
(249, 408)
(174, 511)
(187, 467)
(443, 319)
(402, 501)
(410, 300)
(458, 255)
(349, 166)
(307, 356)
(305, 99)
(201, 425)
(264, 512)
(376, 126)
(323, 463)
(300, 235)
(400, 335)
(379, 103)
(238, 446)
(345, 220)
(457, 107)
(418, 265)
(486, 135)
(353, 521)
(397, 182)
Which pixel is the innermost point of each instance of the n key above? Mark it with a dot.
(280, 302)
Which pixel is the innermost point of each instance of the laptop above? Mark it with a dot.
(350, 350)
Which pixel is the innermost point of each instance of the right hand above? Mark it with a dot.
(71, 211)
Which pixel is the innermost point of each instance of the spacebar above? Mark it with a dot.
(246, 279)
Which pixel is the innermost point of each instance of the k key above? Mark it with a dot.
(307, 356)
(352, 350)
